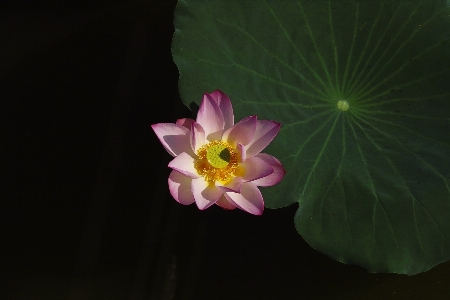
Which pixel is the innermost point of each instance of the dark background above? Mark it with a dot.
(86, 213)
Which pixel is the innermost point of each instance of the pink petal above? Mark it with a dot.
(276, 176)
(186, 122)
(180, 188)
(205, 194)
(184, 163)
(265, 132)
(225, 204)
(234, 185)
(255, 168)
(242, 132)
(174, 138)
(249, 200)
(197, 136)
(225, 106)
(211, 118)
(241, 152)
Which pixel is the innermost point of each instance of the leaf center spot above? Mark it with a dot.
(342, 105)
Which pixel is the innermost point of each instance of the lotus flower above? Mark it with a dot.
(217, 161)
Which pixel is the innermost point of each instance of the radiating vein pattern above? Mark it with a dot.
(362, 91)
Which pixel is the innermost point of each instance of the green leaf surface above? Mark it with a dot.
(372, 182)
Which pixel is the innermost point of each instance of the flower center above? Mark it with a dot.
(218, 156)
(218, 161)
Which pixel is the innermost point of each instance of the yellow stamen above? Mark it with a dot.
(217, 161)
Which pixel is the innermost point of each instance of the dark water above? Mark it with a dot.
(86, 212)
